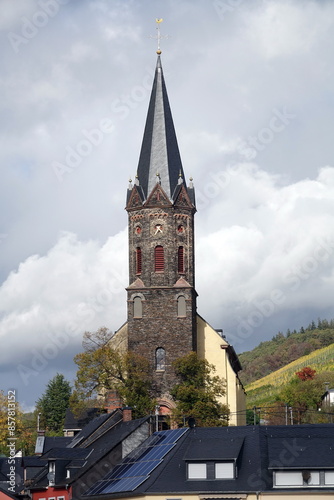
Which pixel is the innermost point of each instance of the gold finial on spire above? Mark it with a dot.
(159, 36)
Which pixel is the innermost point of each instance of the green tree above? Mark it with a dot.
(197, 393)
(10, 421)
(303, 394)
(53, 404)
(102, 369)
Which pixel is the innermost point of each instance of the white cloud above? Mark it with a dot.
(225, 77)
(284, 29)
(269, 240)
(272, 245)
(76, 286)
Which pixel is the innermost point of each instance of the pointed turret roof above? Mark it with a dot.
(159, 159)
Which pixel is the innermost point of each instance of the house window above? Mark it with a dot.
(297, 478)
(197, 471)
(329, 478)
(224, 470)
(180, 260)
(158, 259)
(138, 261)
(181, 306)
(60, 498)
(288, 479)
(160, 359)
(137, 307)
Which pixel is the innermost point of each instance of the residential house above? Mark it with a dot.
(247, 462)
(63, 473)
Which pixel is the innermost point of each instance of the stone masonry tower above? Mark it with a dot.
(161, 293)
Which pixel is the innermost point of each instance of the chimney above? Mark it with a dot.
(113, 401)
(127, 413)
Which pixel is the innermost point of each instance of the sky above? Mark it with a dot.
(250, 85)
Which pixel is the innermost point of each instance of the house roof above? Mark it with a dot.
(55, 441)
(95, 428)
(5, 470)
(256, 451)
(81, 421)
(97, 439)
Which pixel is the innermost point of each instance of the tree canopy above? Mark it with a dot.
(304, 392)
(53, 403)
(102, 369)
(198, 392)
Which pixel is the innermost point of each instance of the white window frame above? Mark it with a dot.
(197, 471)
(227, 473)
(329, 474)
(296, 479)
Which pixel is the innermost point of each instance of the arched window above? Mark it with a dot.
(158, 259)
(181, 306)
(160, 359)
(137, 307)
(138, 260)
(180, 260)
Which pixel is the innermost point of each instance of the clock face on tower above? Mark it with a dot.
(158, 227)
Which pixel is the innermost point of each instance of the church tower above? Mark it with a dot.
(161, 323)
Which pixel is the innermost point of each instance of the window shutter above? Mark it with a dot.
(138, 260)
(158, 259)
(180, 260)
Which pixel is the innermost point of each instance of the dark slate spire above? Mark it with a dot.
(159, 159)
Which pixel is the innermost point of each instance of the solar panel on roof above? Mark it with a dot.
(138, 465)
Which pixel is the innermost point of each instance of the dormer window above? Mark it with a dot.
(224, 470)
(197, 471)
(52, 473)
(302, 478)
(211, 470)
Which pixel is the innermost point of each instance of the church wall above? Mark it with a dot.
(212, 347)
(119, 341)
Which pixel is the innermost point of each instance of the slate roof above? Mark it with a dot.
(55, 441)
(95, 441)
(159, 159)
(5, 469)
(256, 451)
(108, 442)
(86, 416)
(159, 152)
(95, 428)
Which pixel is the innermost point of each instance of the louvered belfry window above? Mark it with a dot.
(158, 259)
(138, 260)
(180, 260)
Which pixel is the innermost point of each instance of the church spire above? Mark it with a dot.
(159, 151)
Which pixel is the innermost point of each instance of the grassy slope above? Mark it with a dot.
(272, 355)
(265, 389)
